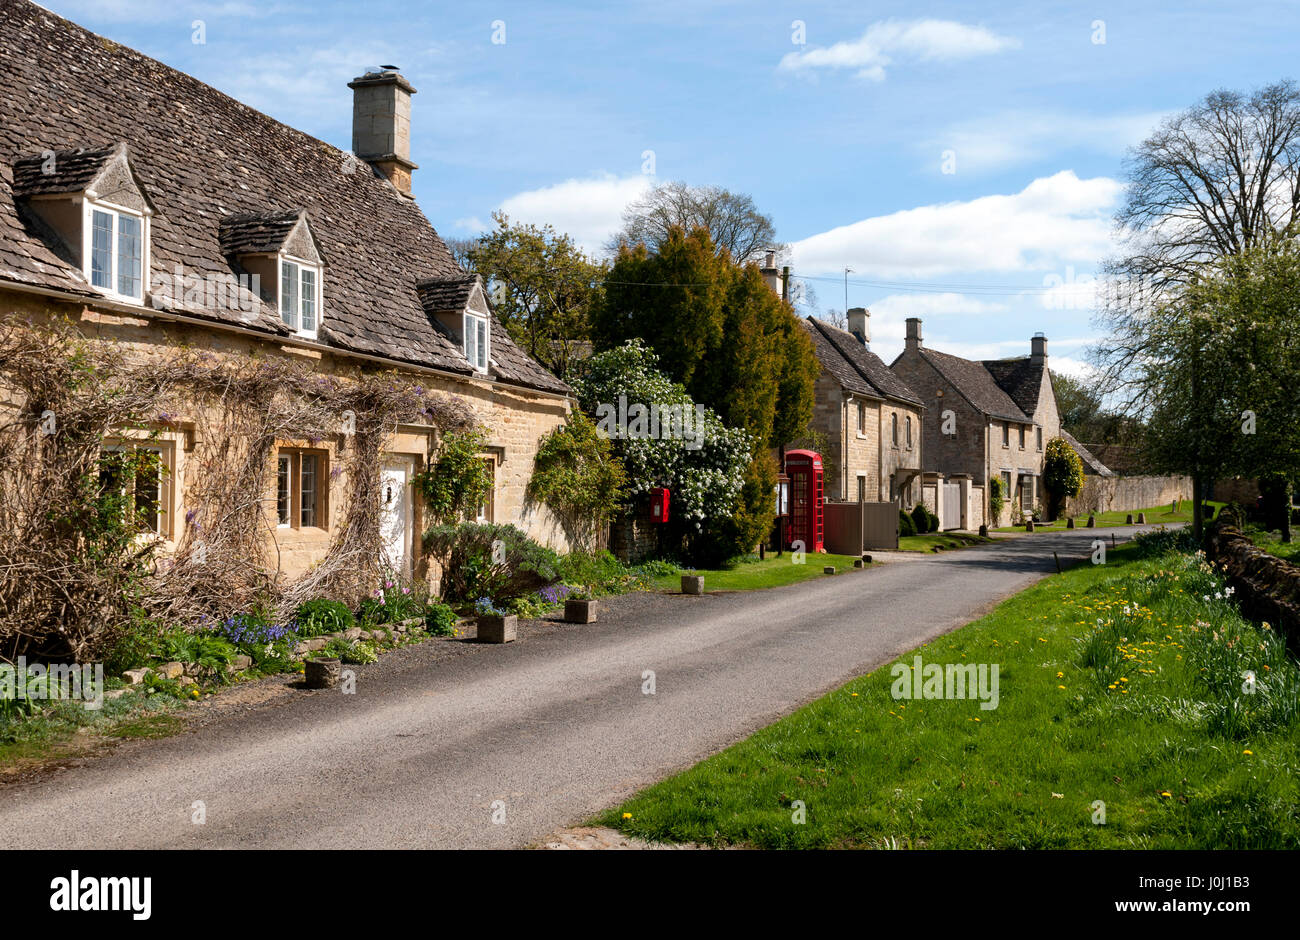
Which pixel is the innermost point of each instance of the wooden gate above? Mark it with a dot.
(952, 505)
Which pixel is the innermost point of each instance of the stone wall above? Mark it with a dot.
(1267, 588)
(636, 539)
(1122, 493)
(515, 420)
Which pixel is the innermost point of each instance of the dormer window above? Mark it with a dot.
(281, 252)
(116, 250)
(459, 307)
(476, 341)
(299, 296)
(95, 205)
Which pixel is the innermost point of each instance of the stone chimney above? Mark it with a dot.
(771, 276)
(859, 320)
(913, 333)
(1038, 347)
(381, 125)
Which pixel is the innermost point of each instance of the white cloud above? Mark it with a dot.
(1009, 138)
(471, 224)
(588, 210)
(925, 304)
(915, 40)
(1053, 221)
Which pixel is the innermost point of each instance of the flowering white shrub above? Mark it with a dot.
(704, 476)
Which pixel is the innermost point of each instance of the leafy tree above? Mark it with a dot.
(458, 479)
(1211, 182)
(1062, 474)
(577, 477)
(720, 331)
(733, 221)
(1245, 308)
(705, 475)
(543, 287)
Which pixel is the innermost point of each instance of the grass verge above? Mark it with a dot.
(751, 574)
(939, 541)
(1156, 515)
(1119, 685)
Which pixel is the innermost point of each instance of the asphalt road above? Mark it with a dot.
(555, 726)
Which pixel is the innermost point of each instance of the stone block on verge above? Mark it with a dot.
(692, 584)
(498, 629)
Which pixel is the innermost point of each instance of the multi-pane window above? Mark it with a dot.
(476, 341)
(1039, 432)
(862, 418)
(299, 297)
(117, 252)
(301, 483)
(1006, 434)
(893, 428)
(1022, 437)
(133, 481)
(909, 431)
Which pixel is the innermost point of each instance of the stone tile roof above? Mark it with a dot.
(72, 171)
(976, 382)
(203, 157)
(446, 293)
(855, 367)
(255, 233)
(1021, 378)
(1091, 465)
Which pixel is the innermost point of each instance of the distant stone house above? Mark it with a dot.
(986, 419)
(144, 207)
(872, 420)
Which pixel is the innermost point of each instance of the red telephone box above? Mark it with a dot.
(804, 467)
(659, 504)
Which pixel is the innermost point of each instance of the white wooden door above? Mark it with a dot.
(395, 513)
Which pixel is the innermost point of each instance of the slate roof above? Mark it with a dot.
(1091, 465)
(976, 382)
(855, 367)
(203, 157)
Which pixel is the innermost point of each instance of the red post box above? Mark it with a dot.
(659, 504)
(804, 467)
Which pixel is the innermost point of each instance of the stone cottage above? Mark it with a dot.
(873, 422)
(987, 419)
(156, 213)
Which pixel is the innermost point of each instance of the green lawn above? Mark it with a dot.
(1117, 683)
(943, 540)
(1156, 515)
(750, 574)
(1272, 543)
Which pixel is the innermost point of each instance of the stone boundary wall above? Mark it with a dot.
(1267, 587)
(1105, 494)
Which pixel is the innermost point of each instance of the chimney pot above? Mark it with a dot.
(381, 125)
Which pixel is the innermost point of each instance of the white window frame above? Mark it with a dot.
(469, 339)
(295, 323)
(115, 212)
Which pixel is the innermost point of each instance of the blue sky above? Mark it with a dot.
(960, 157)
